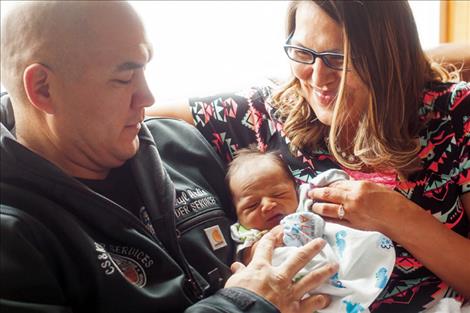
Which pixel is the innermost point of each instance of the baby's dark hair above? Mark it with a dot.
(248, 154)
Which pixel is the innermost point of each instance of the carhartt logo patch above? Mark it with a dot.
(215, 236)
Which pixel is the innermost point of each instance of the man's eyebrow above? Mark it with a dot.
(127, 66)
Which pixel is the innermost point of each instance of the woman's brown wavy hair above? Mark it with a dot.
(381, 41)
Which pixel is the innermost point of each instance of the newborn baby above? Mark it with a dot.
(265, 195)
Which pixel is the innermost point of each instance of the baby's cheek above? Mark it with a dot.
(242, 219)
(292, 206)
(251, 219)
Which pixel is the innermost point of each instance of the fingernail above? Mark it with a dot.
(335, 267)
(317, 244)
(313, 207)
(321, 242)
(322, 301)
(269, 234)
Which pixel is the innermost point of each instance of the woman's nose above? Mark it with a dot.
(321, 74)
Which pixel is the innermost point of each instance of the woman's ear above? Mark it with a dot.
(36, 80)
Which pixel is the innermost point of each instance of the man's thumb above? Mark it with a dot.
(236, 266)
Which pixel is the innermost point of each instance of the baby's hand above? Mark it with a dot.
(302, 227)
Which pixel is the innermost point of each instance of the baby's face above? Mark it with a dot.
(263, 195)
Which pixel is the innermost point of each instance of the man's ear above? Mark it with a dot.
(36, 80)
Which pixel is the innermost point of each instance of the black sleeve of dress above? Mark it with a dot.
(460, 114)
(232, 121)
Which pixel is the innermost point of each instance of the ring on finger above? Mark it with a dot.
(341, 212)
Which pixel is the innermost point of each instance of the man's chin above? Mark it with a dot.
(126, 153)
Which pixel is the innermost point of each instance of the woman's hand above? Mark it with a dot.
(370, 206)
(365, 205)
(275, 283)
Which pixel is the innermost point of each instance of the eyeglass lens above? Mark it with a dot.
(308, 57)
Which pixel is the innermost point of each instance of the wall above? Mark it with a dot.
(455, 21)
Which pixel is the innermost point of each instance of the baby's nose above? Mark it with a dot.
(268, 204)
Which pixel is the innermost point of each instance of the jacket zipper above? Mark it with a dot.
(195, 288)
(185, 226)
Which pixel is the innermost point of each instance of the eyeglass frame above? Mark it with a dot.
(315, 54)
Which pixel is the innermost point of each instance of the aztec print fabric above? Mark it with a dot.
(226, 122)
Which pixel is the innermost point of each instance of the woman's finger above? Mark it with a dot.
(328, 194)
(301, 257)
(330, 210)
(344, 185)
(314, 279)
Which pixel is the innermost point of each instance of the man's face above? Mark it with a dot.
(99, 113)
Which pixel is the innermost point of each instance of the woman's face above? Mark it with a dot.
(319, 83)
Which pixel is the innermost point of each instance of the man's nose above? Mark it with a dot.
(143, 96)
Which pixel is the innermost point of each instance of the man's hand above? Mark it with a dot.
(277, 232)
(275, 283)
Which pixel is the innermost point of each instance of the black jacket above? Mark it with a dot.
(65, 248)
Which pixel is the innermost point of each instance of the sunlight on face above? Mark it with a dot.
(320, 83)
(100, 114)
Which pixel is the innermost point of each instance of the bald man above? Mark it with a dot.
(92, 218)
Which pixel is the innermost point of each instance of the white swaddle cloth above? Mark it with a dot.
(365, 258)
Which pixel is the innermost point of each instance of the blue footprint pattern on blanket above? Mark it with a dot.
(340, 242)
(353, 307)
(334, 280)
(381, 277)
(385, 243)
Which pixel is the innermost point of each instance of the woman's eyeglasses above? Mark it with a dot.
(308, 56)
